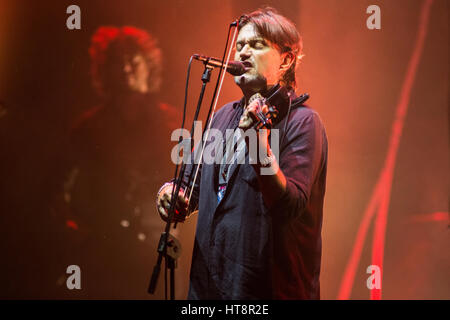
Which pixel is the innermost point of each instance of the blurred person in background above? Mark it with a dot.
(118, 154)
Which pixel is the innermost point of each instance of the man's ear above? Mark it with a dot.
(287, 59)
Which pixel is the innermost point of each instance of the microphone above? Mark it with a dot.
(235, 68)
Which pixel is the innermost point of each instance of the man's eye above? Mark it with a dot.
(259, 44)
(238, 47)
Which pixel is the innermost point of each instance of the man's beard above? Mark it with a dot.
(251, 83)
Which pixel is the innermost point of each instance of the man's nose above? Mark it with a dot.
(245, 53)
(127, 67)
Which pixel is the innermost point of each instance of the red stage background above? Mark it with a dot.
(357, 79)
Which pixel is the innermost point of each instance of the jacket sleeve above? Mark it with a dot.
(302, 158)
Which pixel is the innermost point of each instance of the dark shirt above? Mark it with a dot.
(115, 166)
(245, 250)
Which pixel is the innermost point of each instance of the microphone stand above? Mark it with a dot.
(169, 247)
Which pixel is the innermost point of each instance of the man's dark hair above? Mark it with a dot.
(281, 32)
(110, 43)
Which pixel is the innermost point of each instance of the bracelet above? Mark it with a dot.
(267, 161)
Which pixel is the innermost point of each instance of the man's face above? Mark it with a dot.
(136, 73)
(127, 72)
(261, 59)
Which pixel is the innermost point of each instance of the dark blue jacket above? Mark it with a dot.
(244, 250)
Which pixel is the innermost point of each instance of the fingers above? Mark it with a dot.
(166, 199)
(246, 121)
(181, 206)
(249, 116)
(162, 212)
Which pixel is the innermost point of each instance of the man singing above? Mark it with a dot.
(259, 235)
